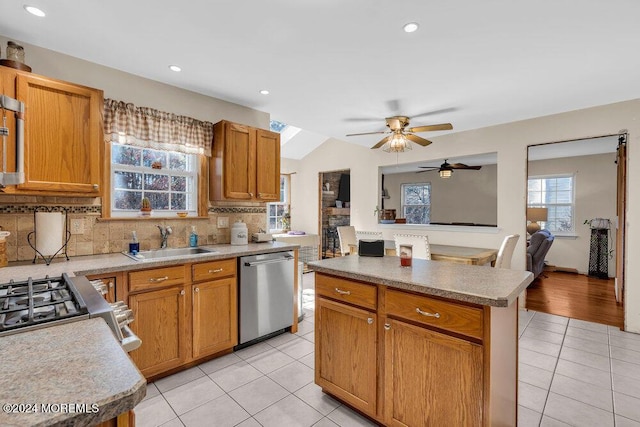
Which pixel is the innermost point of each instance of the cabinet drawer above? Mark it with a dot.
(213, 270)
(156, 278)
(446, 315)
(346, 290)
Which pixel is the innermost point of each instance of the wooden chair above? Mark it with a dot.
(505, 253)
(420, 244)
(347, 236)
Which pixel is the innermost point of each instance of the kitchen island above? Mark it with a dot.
(71, 374)
(427, 345)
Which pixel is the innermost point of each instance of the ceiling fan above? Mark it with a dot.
(400, 134)
(446, 169)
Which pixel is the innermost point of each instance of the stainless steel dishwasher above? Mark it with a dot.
(266, 295)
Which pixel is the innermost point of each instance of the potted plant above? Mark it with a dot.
(145, 208)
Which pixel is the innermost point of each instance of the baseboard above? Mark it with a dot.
(548, 267)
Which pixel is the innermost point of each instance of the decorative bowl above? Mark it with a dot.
(182, 214)
(387, 221)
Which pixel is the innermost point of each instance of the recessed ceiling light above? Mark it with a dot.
(264, 92)
(175, 68)
(410, 27)
(34, 11)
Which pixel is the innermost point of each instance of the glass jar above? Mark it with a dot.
(15, 52)
(406, 253)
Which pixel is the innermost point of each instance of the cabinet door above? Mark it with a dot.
(346, 353)
(267, 165)
(239, 161)
(215, 316)
(159, 322)
(63, 136)
(431, 379)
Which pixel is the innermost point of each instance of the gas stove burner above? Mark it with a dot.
(35, 301)
(40, 313)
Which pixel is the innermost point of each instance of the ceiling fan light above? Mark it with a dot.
(446, 173)
(397, 144)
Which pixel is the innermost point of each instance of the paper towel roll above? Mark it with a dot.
(49, 226)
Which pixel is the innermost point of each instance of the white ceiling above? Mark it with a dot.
(335, 67)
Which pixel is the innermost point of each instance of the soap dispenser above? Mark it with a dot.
(193, 237)
(134, 246)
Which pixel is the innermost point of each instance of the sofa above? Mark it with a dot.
(539, 245)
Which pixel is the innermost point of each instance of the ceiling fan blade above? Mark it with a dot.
(382, 142)
(417, 139)
(362, 119)
(434, 112)
(366, 133)
(463, 166)
(429, 168)
(428, 128)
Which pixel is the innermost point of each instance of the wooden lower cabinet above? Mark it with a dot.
(346, 353)
(160, 323)
(431, 379)
(182, 313)
(215, 316)
(408, 359)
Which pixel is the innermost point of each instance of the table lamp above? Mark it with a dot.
(533, 216)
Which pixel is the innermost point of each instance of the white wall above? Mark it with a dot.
(595, 187)
(137, 90)
(468, 196)
(510, 141)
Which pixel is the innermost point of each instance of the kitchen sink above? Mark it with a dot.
(168, 253)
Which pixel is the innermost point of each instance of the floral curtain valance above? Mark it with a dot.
(149, 128)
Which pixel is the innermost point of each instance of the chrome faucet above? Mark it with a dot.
(164, 234)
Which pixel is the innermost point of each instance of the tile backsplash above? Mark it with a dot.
(108, 236)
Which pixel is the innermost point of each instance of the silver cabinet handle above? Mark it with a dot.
(217, 270)
(197, 289)
(341, 292)
(182, 292)
(251, 194)
(110, 284)
(387, 326)
(159, 279)
(424, 313)
(370, 320)
(96, 186)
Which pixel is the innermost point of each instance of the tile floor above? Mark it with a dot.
(572, 373)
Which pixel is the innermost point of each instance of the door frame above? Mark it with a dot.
(621, 207)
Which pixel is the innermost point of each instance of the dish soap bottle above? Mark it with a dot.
(134, 246)
(193, 237)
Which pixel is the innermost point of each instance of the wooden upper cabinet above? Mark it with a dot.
(63, 136)
(245, 164)
(267, 165)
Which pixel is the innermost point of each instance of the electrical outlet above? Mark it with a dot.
(77, 226)
(223, 222)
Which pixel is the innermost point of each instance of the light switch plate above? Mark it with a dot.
(223, 222)
(77, 226)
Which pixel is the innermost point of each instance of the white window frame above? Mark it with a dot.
(572, 204)
(404, 205)
(191, 174)
(285, 195)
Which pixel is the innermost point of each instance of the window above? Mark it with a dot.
(556, 193)
(416, 202)
(168, 178)
(278, 218)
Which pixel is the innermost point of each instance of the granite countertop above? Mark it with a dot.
(476, 284)
(99, 264)
(78, 363)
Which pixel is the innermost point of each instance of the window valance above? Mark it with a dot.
(150, 128)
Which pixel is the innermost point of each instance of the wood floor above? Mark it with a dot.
(576, 296)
